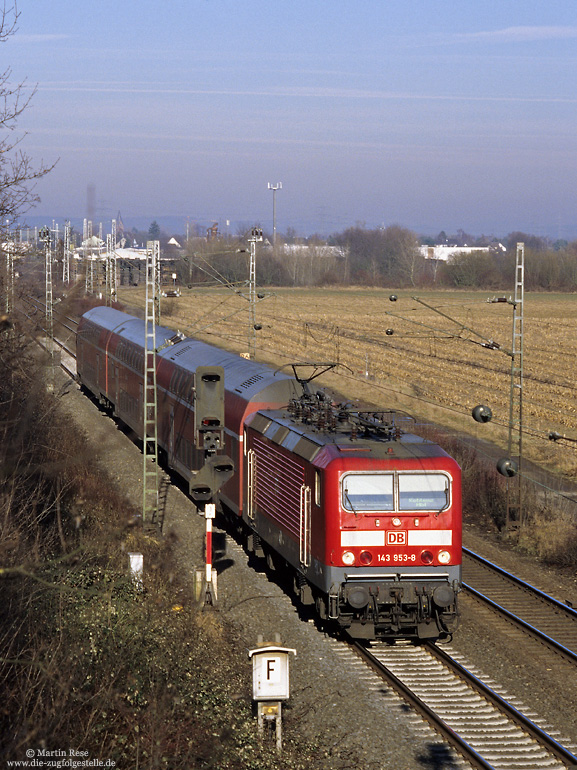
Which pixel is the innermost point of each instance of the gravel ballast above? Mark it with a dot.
(335, 702)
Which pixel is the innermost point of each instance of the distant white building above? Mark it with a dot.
(130, 253)
(444, 253)
(96, 248)
(305, 250)
(92, 245)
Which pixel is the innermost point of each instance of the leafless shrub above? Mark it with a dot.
(551, 533)
(86, 660)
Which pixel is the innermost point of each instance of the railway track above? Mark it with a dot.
(67, 358)
(545, 618)
(548, 620)
(485, 729)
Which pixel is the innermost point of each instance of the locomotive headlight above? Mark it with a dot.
(444, 557)
(426, 557)
(396, 522)
(348, 558)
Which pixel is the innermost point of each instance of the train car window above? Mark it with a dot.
(317, 488)
(368, 492)
(423, 492)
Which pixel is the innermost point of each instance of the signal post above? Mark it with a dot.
(217, 468)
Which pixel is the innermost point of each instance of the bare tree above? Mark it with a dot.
(18, 175)
(401, 255)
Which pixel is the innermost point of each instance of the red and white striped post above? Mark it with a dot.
(210, 575)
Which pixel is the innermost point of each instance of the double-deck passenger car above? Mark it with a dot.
(364, 516)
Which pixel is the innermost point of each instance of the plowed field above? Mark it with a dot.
(431, 363)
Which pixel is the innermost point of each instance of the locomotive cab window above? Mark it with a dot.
(381, 492)
(423, 492)
(368, 492)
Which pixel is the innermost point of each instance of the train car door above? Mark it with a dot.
(305, 526)
(116, 384)
(171, 447)
(98, 370)
(251, 484)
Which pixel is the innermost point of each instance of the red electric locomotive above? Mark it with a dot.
(365, 516)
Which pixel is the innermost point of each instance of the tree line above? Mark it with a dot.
(387, 257)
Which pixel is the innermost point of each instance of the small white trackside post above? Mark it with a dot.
(137, 570)
(270, 683)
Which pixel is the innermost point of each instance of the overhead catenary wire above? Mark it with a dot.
(430, 332)
(463, 411)
(453, 405)
(528, 377)
(333, 332)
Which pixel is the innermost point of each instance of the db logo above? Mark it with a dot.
(397, 537)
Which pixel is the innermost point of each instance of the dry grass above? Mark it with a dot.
(430, 366)
(551, 535)
(86, 660)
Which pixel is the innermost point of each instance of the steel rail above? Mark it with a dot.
(64, 347)
(516, 620)
(450, 735)
(30, 300)
(521, 583)
(453, 738)
(514, 714)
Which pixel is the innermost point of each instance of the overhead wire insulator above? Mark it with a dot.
(507, 467)
(482, 413)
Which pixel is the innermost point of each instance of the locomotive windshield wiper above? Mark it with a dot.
(348, 499)
(447, 500)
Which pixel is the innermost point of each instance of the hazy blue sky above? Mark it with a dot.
(432, 114)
